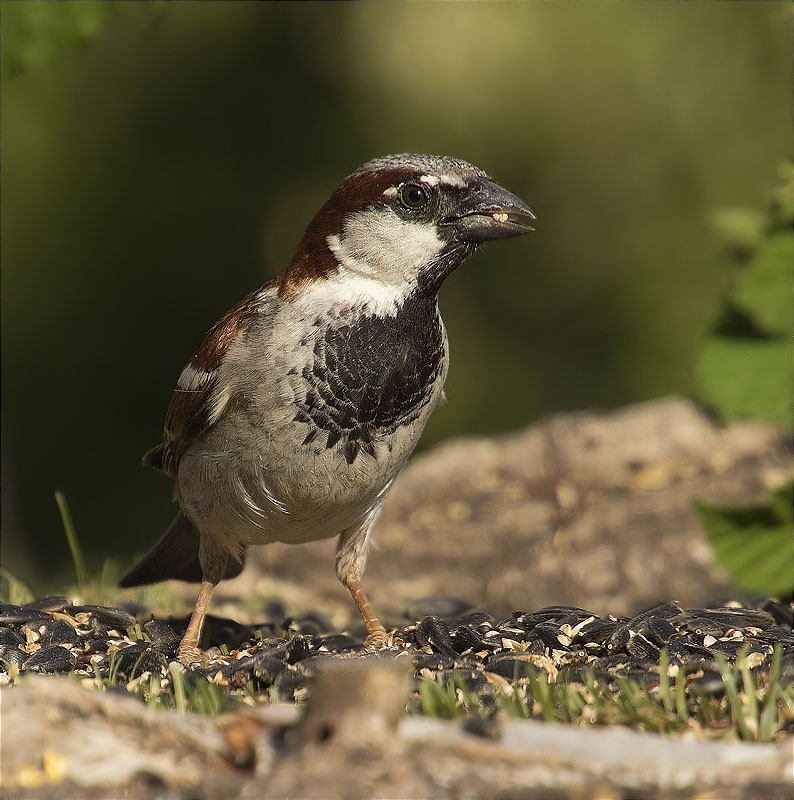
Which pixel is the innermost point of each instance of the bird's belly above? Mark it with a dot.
(291, 495)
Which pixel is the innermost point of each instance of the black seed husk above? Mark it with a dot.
(617, 642)
(138, 658)
(10, 654)
(10, 637)
(163, 637)
(465, 638)
(433, 632)
(60, 632)
(599, 630)
(55, 603)
(663, 611)
(659, 630)
(297, 649)
(20, 615)
(475, 619)
(642, 648)
(50, 659)
(549, 635)
(684, 652)
(111, 617)
(338, 642)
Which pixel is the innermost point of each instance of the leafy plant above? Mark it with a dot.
(745, 369)
(754, 544)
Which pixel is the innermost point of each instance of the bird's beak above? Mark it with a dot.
(491, 212)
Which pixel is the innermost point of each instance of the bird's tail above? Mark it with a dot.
(175, 556)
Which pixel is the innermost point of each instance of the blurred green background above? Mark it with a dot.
(162, 159)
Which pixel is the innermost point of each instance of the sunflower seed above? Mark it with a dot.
(50, 659)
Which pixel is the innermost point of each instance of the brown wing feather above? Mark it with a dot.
(190, 410)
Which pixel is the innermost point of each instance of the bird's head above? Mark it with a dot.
(402, 223)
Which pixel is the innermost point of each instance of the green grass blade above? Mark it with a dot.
(541, 691)
(71, 538)
(178, 682)
(767, 722)
(664, 681)
(682, 712)
(734, 701)
(113, 667)
(748, 681)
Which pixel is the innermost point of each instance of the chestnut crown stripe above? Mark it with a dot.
(313, 259)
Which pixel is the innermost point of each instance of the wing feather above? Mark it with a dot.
(198, 401)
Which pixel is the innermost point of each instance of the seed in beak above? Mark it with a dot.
(500, 216)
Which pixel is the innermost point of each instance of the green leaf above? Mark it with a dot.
(741, 229)
(745, 368)
(741, 377)
(782, 502)
(765, 289)
(754, 544)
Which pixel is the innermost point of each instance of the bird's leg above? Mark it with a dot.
(376, 633)
(213, 562)
(188, 651)
(351, 556)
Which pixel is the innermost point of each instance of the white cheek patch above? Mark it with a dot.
(380, 257)
(376, 243)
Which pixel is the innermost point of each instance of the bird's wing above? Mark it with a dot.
(199, 399)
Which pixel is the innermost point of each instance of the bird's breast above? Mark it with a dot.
(368, 376)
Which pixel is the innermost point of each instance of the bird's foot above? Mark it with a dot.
(376, 639)
(188, 653)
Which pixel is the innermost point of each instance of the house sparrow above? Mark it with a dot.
(293, 417)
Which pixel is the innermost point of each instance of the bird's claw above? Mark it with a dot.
(188, 654)
(376, 640)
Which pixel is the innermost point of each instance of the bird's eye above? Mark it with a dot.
(413, 195)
